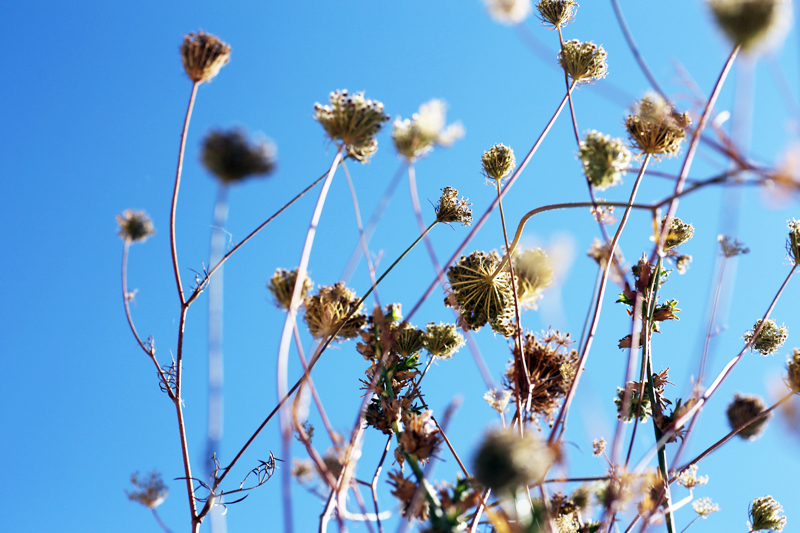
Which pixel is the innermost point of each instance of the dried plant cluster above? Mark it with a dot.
(508, 485)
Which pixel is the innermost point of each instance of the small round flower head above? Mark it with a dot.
(509, 12)
(744, 408)
(281, 285)
(150, 490)
(656, 128)
(556, 12)
(452, 210)
(769, 339)
(134, 226)
(793, 371)
(765, 514)
(689, 478)
(584, 62)
(793, 242)
(604, 159)
(534, 274)
(704, 507)
(480, 295)
(498, 162)
(409, 341)
(420, 435)
(679, 233)
(442, 340)
(326, 310)
(203, 55)
(352, 119)
(747, 22)
(231, 157)
(505, 461)
(415, 137)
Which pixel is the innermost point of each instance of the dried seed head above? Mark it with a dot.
(747, 22)
(409, 341)
(793, 242)
(281, 285)
(150, 490)
(704, 507)
(480, 295)
(505, 461)
(765, 513)
(452, 210)
(404, 490)
(332, 305)
(584, 62)
(203, 55)
(689, 478)
(598, 446)
(231, 157)
(498, 162)
(415, 137)
(353, 120)
(744, 408)
(731, 247)
(420, 435)
(769, 339)
(604, 159)
(679, 232)
(793, 370)
(134, 226)
(644, 412)
(534, 274)
(442, 340)
(656, 128)
(509, 12)
(556, 12)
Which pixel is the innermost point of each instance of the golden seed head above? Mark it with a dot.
(203, 55)
(656, 128)
(765, 513)
(498, 162)
(534, 274)
(134, 226)
(420, 435)
(332, 305)
(679, 233)
(556, 13)
(584, 62)
(353, 120)
(744, 408)
(704, 507)
(281, 285)
(604, 159)
(231, 157)
(793, 242)
(442, 340)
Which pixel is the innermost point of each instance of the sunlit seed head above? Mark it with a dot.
(769, 339)
(584, 62)
(793, 242)
(329, 308)
(704, 507)
(353, 120)
(497, 399)
(742, 409)
(203, 55)
(766, 514)
(731, 247)
(415, 137)
(442, 340)
(556, 13)
(150, 489)
(498, 162)
(534, 273)
(604, 159)
(655, 127)
(679, 233)
(134, 226)
(793, 370)
(689, 478)
(409, 341)
(281, 285)
(452, 210)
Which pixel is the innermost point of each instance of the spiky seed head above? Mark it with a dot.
(509, 12)
(498, 162)
(742, 409)
(793, 370)
(765, 514)
(353, 120)
(556, 13)
(281, 285)
(452, 210)
(415, 137)
(793, 242)
(231, 157)
(747, 22)
(604, 159)
(769, 339)
(150, 489)
(332, 305)
(442, 340)
(203, 55)
(679, 232)
(534, 273)
(656, 128)
(134, 226)
(505, 461)
(584, 62)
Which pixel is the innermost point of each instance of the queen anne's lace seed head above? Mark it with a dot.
(556, 13)
(534, 273)
(793, 242)
(452, 210)
(744, 408)
(793, 370)
(352, 120)
(231, 157)
(329, 308)
(679, 233)
(442, 340)
(281, 285)
(747, 22)
(505, 461)
(769, 339)
(498, 162)
(584, 62)
(415, 137)
(134, 226)
(656, 128)
(704, 507)
(604, 159)
(203, 55)
(765, 514)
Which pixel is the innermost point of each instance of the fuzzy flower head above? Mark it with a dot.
(793, 242)
(689, 478)
(765, 514)
(150, 490)
(748, 22)
(332, 305)
(415, 137)
(353, 120)
(505, 461)
(769, 339)
(498, 162)
(480, 295)
(534, 273)
(509, 12)
(744, 408)
(704, 507)
(556, 12)
(679, 232)
(604, 159)
(281, 285)
(656, 128)
(793, 371)
(442, 340)
(203, 55)
(134, 226)
(231, 157)
(584, 62)
(452, 210)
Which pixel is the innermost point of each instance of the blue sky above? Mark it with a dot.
(94, 101)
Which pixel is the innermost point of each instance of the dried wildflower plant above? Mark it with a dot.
(281, 285)
(451, 210)
(766, 514)
(353, 120)
(704, 507)
(134, 226)
(655, 128)
(604, 159)
(334, 310)
(793, 241)
(505, 461)
(442, 340)
(498, 162)
(556, 13)
(679, 233)
(769, 339)
(583, 61)
(793, 371)
(415, 137)
(509, 12)
(232, 157)
(731, 247)
(203, 56)
(150, 489)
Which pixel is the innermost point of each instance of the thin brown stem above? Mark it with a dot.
(314, 394)
(362, 237)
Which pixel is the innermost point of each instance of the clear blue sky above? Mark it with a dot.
(94, 97)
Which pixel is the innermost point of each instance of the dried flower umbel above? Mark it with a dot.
(679, 233)
(793, 371)
(498, 162)
(769, 339)
(744, 408)
(731, 247)
(452, 210)
(353, 120)
(584, 62)
(509, 11)
(534, 273)
(231, 157)
(689, 478)
(134, 226)
(704, 507)
(150, 490)
(415, 137)
(656, 128)
(420, 435)
(746, 22)
(281, 285)
(793, 242)
(332, 305)
(203, 55)
(604, 159)
(765, 514)
(505, 461)
(556, 12)
(442, 340)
